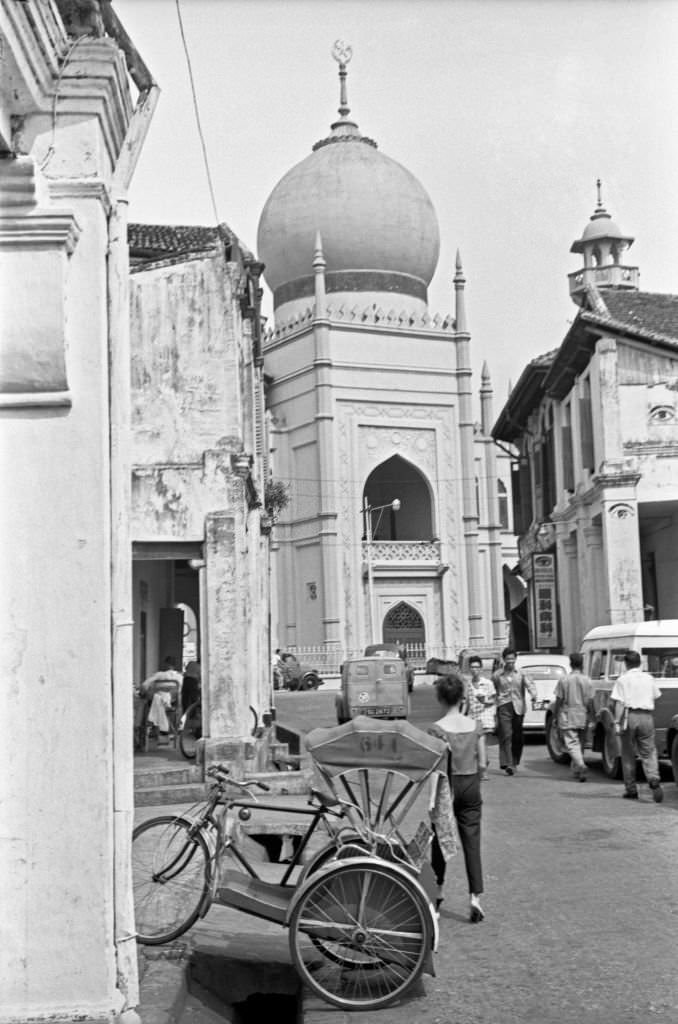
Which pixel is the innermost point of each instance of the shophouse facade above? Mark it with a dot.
(200, 530)
(72, 123)
(594, 424)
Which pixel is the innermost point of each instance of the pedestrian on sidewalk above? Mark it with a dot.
(573, 706)
(481, 707)
(634, 694)
(461, 734)
(510, 687)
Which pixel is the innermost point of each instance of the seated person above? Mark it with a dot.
(161, 692)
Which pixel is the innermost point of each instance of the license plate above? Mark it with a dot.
(377, 711)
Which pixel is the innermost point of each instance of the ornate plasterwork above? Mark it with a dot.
(369, 433)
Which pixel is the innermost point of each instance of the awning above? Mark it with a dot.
(515, 586)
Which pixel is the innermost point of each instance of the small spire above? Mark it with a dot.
(599, 186)
(600, 210)
(318, 254)
(459, 270)
(485, 374)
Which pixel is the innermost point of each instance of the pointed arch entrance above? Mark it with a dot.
(397, 478)
(403, 623)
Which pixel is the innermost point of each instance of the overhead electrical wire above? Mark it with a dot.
(197, 113)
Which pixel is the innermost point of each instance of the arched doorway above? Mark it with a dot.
(404, 623)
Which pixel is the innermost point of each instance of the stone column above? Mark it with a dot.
(493, 524)
(225, 678)
(466, 429)
(324, 417)
(622, 562)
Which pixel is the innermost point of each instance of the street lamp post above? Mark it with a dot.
(367, 511)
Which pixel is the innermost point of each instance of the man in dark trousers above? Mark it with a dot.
(574, 704)
(510, 686)
(634, 694)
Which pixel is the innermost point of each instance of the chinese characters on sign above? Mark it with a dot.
(544, 593)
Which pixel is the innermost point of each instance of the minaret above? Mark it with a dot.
(494, 525)
(324, 416)
(466, 428)
(602, 245)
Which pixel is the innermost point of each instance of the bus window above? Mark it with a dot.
(617, 662)
(597, 664)
(661, 661)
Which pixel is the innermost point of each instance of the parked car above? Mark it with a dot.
(388, 651)
(603, 650)
(544, 670)
(297, 676)
(375, 686)
(672, 746)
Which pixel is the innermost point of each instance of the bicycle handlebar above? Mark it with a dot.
(221, 773)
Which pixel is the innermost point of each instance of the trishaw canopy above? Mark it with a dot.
(374, 743)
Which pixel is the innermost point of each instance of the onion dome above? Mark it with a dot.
(599, 226)
(378, 225)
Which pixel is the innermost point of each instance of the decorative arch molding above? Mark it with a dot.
(404, 622)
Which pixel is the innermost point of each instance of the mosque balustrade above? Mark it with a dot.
(391, 552)
(606, 276)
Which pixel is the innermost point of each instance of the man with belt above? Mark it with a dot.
(510, 687)
(634, 694)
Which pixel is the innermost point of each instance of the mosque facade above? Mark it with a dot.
(397, 527)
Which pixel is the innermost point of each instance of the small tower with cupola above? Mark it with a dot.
(603, 246)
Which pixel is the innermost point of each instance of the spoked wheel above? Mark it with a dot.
(170, 878)
(191, 731)
(360, 934)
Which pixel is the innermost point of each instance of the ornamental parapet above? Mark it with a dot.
(421, 552)
(357, 316)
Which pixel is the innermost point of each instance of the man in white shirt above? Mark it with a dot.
(634, 694)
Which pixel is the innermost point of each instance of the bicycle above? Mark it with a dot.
(359, 913)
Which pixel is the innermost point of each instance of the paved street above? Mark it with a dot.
(581, 900)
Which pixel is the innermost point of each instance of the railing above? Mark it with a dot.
(327, 660)
(609, 275)
(418, 551)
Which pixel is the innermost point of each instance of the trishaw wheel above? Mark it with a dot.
(360, 934)
(170, 878)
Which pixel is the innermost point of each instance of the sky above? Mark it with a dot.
(507, 111)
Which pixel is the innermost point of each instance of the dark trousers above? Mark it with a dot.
(510, 730)
(466, 804)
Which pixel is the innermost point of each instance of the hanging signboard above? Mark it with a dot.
(545, 598)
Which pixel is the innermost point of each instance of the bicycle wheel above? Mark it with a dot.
(191, 731)
(170, 878)
(360, 934)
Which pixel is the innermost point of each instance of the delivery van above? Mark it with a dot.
(375, 686)
(603, 651)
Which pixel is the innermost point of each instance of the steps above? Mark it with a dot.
(162, 786)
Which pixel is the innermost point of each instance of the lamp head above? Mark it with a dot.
(395, 504)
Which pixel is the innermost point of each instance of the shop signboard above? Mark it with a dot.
(545, 597)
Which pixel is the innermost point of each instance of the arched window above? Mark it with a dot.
(403, 622)
(396, 478)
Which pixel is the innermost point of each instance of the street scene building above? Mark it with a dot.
(200, 548)
(393, 531)
(70, 137)
(595, 428)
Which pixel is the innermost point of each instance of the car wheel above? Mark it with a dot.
(312, 681)
(611, 759)
(674, 758)
(554, 742)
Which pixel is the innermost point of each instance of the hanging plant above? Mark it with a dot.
(276, 497)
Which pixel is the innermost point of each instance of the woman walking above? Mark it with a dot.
(462, 735)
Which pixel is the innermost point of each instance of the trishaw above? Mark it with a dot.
(361, 923)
